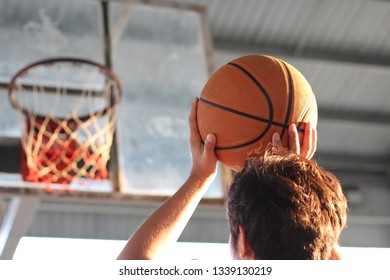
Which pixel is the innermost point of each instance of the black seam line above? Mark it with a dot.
(290, 95)
(260, 87)
(239, 112)
(241, 145)
(244, 115)
(269, 121)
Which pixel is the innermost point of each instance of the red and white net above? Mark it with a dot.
(67, 111)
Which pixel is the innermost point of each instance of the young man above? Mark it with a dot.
(280, 206)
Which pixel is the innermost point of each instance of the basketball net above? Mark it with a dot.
(67, 112)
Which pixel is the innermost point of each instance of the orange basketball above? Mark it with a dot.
(249, 99)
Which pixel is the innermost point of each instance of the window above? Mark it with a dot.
(162, 56)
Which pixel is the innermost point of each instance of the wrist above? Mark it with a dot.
(201, 178)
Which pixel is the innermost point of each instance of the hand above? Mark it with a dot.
(309, 143)
(204, 159)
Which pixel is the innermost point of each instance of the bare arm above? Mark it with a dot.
(164, 226)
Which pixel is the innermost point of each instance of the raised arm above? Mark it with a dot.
(160, 230)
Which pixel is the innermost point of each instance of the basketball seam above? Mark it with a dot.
(241, 114)
(269, 101)
(262, 89)
(290, 98)
(208, 102)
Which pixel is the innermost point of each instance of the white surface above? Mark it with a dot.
(9, 180)
(96, 249)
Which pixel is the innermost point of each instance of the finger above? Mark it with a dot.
(314, 142)
(307, 141)
(293, 139)
(276, 141)
(194, 132)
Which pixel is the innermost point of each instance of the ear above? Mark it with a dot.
(244, 249)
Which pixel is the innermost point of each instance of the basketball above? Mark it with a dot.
(249, 99)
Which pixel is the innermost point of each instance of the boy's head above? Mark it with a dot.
(282, 206)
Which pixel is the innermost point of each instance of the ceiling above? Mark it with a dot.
(343, 49)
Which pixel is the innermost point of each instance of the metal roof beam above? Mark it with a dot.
(360, 116)
(345, 57)
(357, 164)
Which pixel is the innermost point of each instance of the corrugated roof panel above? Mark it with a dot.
(339, 18)
(361, 35)
(350, 137)
(246, 35)
(291, 23)
(347, 85)
(348, 27)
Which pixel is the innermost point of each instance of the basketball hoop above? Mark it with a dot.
(67, 108)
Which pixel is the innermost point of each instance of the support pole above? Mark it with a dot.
(17, 220)
(114, 169)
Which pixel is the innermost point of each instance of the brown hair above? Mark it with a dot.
(289, 207)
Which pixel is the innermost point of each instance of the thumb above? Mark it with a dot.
(210, 142)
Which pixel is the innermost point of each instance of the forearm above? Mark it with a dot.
(165, 225)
